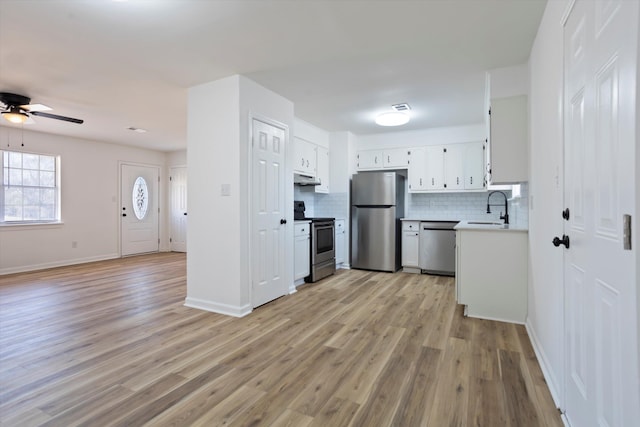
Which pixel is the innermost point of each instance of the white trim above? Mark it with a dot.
(543, 361)
(216, 307)
(34, 224)
(54, 264)
(565, 18)
(495, 319)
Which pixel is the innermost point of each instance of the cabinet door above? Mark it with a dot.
(435, 167)
(369, 159)
(417, 165)
(304, 157)
(454, 167)
(302, 257)
(410, 248)
(474, 166)
(340, 241)
(509, 130)
(322, 169)
(397, 158)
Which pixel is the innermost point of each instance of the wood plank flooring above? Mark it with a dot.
(111, 344)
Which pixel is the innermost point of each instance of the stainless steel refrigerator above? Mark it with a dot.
(377, 204)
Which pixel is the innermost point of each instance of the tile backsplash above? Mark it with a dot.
(434, 206)
(467, 206)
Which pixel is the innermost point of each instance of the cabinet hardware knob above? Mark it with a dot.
(185, 214)
(565, 214)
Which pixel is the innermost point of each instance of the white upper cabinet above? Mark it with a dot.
(454, 167)
(396, 158)
(369, 159)
(392, 158)
(322, 169)
(509, 140)
(450, 167)
(435, 167)
(474, 166)
(417, 171)
(304, 157)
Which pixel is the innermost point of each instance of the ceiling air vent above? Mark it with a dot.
(401, 107)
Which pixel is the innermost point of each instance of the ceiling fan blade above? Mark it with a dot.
(35, 107)
(55, 116)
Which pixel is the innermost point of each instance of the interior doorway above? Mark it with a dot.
(178, 211)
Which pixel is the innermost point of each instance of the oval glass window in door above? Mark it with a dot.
(140, 197)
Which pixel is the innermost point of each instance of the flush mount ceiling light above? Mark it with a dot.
(397, 117)
(14, 115)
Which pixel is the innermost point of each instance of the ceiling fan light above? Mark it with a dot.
(14, 115)
(392, 118)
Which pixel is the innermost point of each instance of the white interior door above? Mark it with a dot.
(139, 209)
(268, 228)
(178, 181)
(600, 277)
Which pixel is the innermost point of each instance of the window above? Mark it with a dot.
(30, 188)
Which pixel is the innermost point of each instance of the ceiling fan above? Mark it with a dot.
(16, 109)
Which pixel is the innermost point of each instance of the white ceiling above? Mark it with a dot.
(117, 64)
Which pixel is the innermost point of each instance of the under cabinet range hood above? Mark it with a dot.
(300, 179)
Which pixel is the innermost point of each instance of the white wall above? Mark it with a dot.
(509, 81)
(177, 158)
(418, 138)
(90, 203)
(218, 265)
(545, 318)
(311, 133)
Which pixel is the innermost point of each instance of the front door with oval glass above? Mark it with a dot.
(139, 209)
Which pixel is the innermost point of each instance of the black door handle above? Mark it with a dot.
(565, 214)
(124, 214)
(185, 214)
(283, 221)
(564, 241)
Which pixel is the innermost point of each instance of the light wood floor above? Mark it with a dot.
(111, 343)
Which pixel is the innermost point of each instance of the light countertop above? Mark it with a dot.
(489, 226)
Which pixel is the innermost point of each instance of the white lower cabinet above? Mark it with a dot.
(491, 273)
(410, 246)
(340, 242)
(302, 250)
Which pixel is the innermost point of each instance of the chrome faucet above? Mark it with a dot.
(506, 206)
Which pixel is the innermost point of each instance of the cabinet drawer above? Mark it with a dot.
(301, 229)
(411, 226)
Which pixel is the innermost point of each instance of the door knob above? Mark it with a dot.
(564, 241)
(124, 214)
(565, 214)
(283, 221)
(184, 214)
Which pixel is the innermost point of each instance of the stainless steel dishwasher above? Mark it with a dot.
(438, 248)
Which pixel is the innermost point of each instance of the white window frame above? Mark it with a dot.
(57, 207)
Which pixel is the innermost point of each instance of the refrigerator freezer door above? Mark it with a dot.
(373, 244)
(374, 189)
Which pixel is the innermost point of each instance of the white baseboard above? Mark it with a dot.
(62, 263)
(216, 307)
(543, 361)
